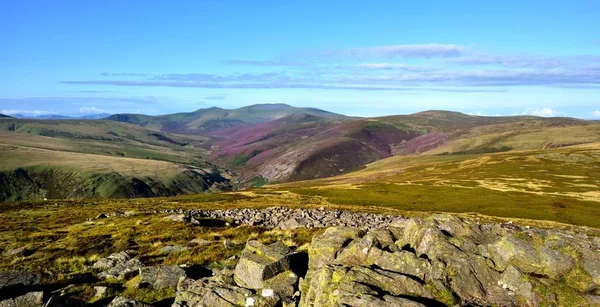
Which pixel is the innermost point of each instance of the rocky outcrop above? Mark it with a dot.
(446, 261)
(438, 261)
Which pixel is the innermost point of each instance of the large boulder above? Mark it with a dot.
(160, 276)
(260, 262)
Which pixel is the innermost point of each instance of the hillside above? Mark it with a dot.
(207, 120)
(307, 147)
(559, 184)
(82, 159)
(5, 116)
(279, 143)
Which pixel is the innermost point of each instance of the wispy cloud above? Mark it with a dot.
(387, 81)
(124, 74)
(596, 114)
(446, 66)
(265, 62)
(394, 66)
(256, 85)
(395, 51)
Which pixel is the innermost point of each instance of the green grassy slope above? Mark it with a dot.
(104, 138)
(80, 159)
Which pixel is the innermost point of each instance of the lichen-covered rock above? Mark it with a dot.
(160, 276)
(31, 299)
(529, 258)
(113, 260)
(445, 260)
(65, 301)
(591, 265)
(325, 247)
(173, 249)
(119, 265)
(123, 270)
(292, 223)
(120, 301)
(518, 285)
(283, 284)
(208, 293)
(260, 262)
(14, 279)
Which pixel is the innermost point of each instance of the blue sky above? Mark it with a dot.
(364, 58)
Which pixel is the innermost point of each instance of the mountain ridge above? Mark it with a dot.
(215, 118)
(278, 143)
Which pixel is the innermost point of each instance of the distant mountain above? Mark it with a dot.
(211, 119)
(95, 116)
(5, 116)
(63, 117)
(52, 117)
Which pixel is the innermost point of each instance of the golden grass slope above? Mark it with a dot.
(560, 184)
(26, 157)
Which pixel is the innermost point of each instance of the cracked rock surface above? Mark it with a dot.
(443, 260)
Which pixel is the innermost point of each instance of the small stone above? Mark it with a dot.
(173, 249)
(200, 242)
(100, 291)
(15, 251)
(176, 217)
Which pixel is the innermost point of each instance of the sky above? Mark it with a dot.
(361, 58)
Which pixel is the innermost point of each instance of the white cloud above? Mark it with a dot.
(596, 114)
(480, 113)
(544, 112)
(91, 110)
